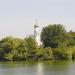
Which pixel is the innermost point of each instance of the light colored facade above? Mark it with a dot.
(37, 35)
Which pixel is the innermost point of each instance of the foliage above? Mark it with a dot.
(53, 35)
(57, 44)
(73, 52)
(12, 48)
(31, 46)
(48, 53)
(43, 53)
(62, 52)
(72, 38)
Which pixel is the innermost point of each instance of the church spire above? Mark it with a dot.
(36, 33)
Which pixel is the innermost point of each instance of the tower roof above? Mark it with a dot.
(36, 25)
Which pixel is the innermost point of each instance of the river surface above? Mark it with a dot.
(38, 68)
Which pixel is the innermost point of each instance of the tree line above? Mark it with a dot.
(57, 43)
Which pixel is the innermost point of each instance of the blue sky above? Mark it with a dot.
(17, 17)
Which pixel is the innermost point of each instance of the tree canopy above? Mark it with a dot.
(54, 35)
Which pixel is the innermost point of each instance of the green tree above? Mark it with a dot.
(72, 38)
(43, 53)
(62, 52)
(39, 54)
(48, 53)
(13, 49)
(31, 45)
(21, 52)
(54, 35)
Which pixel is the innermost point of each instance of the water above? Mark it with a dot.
(38, 68)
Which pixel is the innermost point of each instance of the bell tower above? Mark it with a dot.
(37, 34)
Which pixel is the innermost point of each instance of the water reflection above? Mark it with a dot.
(40, 69)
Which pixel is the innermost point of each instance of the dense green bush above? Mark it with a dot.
(43, 53)
(73, 52)
(62, 53)
(12, 49)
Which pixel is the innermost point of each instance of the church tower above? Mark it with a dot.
(37, 34)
